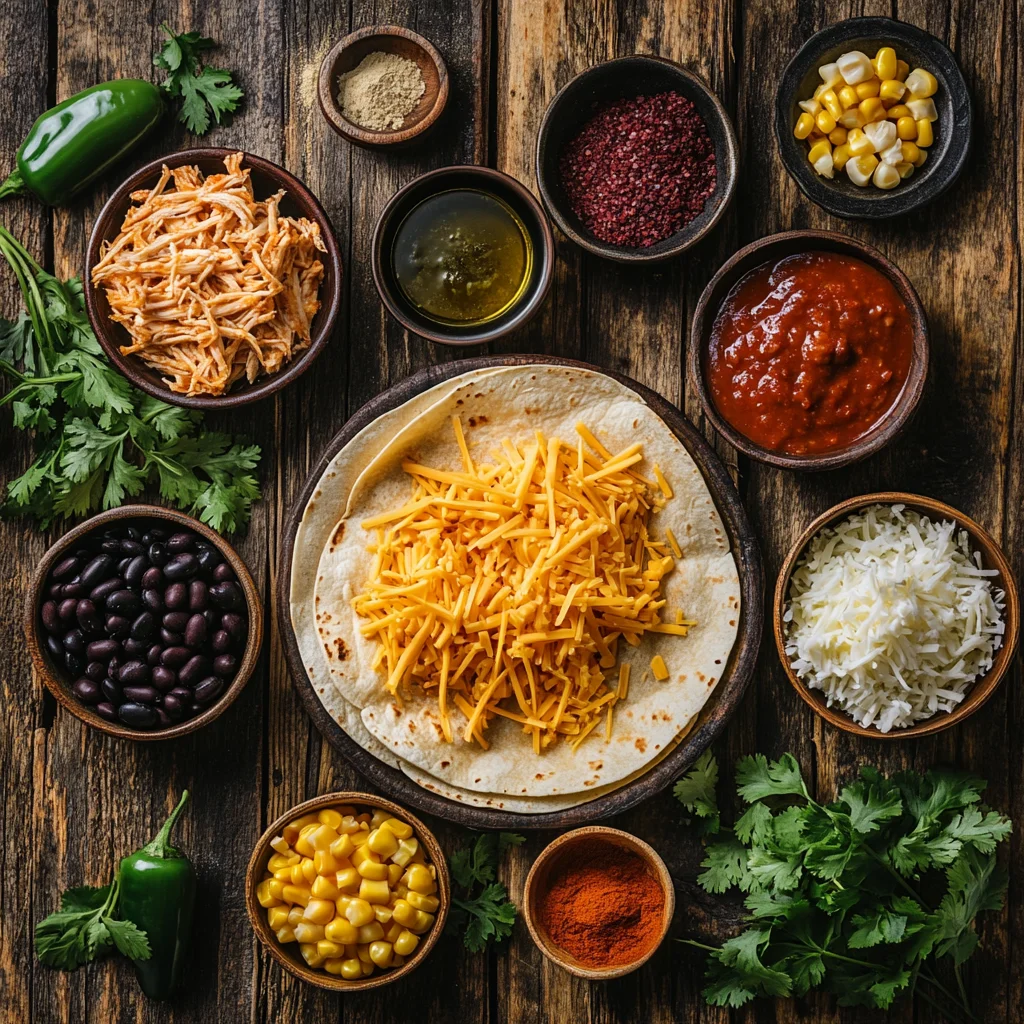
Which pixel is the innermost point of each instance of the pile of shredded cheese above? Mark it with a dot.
(504, 588)
(892, 616)
(210, 283)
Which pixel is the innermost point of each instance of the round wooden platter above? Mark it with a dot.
(724, 700)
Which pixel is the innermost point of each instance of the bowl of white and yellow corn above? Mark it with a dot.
(348, 891)
(873, 118)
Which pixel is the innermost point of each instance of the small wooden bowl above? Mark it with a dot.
(467, 176)
(55, 679)
(946, 158)
(992, 558)
(539, 876)
(770, 249)
(350, 51)
(624, 78)
(288, 955)
(267, 178)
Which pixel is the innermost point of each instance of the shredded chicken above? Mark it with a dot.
(210, 283)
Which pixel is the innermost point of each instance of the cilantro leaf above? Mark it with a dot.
(490, 914)
(736, 974)
(130, 940)
(725, 864)
(696, 792)
(756, 778)
(871, 802)
(881, 926)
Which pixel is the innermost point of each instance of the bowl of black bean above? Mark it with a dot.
(143, 622)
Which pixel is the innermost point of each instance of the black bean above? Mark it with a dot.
(74, 663)
(111, 547)
(67, 608)
(209, 560)
(74, 589)
(164, 679)
(163, 720)
(212, 617)
(124, 602)
(153, 534)
(133, 532)
(197, 593)
(141, 694)
(144, 626)
(175, 657)
(176, 596)
(82, 552)
(88, 618)
(134, 673)
(114, 666)
(221, 642)
(235, 625)
(74, 641)
(50, 617)
(123, 564)
(195, 669)
(175, 621)
(195, 631)
(132, 547)
(66, 568)
(135, 648)
(209, 690)
(171, 639)
(99, 569)
(181, 567)
(224, 573)
(182, 693)
(111, 690)
(225, 665)
(172, 706)
(117, 626)
(56, 592)
(152, 578)
(99, 594)
(136, 570)
(55, 647)
(158, 554)
(226, 596)
(107, 711)
(153, 600)
(153, 655)
(96, 670)
(138, 716)
(181, 541)
(86, 690)
(102, 650)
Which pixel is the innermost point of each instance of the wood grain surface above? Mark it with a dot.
(74, 801)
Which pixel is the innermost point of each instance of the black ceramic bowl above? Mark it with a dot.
(946, 157)
(627, 77)
(444, 179)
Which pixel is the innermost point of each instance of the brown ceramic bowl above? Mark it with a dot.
(267, 178)
(350, 51)
(992, 557)
(288, 955)
(484, 179)
(537, 882)
(769, 250)
(59, 682)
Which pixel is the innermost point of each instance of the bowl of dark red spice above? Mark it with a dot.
(636, 159)
(143, 623)
(598, 902)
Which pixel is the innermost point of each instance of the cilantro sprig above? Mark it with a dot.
(202, 90)
(489, 914)
(696, 792)
(865, 897)
(87, 926)
(98, 440)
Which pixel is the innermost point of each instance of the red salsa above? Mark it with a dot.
(809, 353)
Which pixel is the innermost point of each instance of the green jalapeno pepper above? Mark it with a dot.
(158, 892)
(74, 142)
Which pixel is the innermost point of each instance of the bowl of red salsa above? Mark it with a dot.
(809, 350)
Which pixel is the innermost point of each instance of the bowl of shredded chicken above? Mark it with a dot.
(209, 291)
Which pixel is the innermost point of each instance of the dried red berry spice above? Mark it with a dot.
(640, 169)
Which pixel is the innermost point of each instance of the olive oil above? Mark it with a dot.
(462, 257)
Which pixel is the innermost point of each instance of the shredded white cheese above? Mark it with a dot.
(892, 616)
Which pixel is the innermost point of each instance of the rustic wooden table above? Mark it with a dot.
(74, 801)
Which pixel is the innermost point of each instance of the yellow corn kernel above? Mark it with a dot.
(394, 874)
(302, 844)
(295, 875)
(902, 70)
(869, 89)
(265, 896)
(853, 118)
(329, 949)
(279, 861)
(323, 888)
(921, 83)
(847, 97)
(825, 121)
(404, 913)
(275, 886)
(383, 842)
(310, 954)
(422, 922)
(362, 852)
(373, 870)
(860, 168)
(358, 911)
(285, 934)
(308, 870)
(837, 136)
(423, 902)
(348, 880)
(891, 91)
(804, 126)
(371, 932)
(341, 931)
(284, 875)
(406, 942)
(830, 101)
(872, 109)
(400, 829)
(419, 879)
(382, 913)
(277, 917)
(380, 953)
(342, 848)
(910, 152)
(885, 62)
(306, 931)
(401, 891)
(895, 113)
(374, 890)
(319, 911)
(407, 849)
(322, 838)
(858, 143)
(329, 816)
(392, 933)
(839, 156)
(363, 952)
(349, 826)
(906, 129)
(350, 969)
(296, 894)
(295, 915)
(280, 845)
(333, 966)
(905, 169)
(925, 134)
(922, 156)
(325, 862)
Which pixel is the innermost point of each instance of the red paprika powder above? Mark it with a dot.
(602, 905)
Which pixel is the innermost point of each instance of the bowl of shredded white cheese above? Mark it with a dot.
(895, 615)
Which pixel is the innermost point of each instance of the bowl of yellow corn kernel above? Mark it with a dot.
(873, 118)
(348, 891)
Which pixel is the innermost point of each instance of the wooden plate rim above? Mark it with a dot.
(736, 675)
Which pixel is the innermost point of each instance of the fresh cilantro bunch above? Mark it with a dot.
(85, 927)
(869, 897)
(202, 90)
(489, 914)
(98, 440)
(696, 792)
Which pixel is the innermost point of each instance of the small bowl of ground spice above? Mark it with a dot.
(598, 902)
(383, 85)
(636, 159)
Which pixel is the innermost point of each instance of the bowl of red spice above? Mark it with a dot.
(598, 902)
(636, 159)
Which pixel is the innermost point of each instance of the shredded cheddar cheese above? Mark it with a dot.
(503, 588)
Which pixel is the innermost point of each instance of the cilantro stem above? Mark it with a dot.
(699, 945)
(962, 1001)
(958, 974)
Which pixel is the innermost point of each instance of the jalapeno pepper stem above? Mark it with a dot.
(12, 185)
(160, 846)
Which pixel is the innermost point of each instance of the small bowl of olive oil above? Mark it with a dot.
(463, 255)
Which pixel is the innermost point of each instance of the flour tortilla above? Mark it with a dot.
(513, 402)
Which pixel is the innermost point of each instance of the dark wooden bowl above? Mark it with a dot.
(946, 158)
(484, 179)
(537, 884)
(350, 51)
(736, 673)
(267, 178)
(55, 679)
(769, 250)
(992, 558)
(627, 77)
(288, 955)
